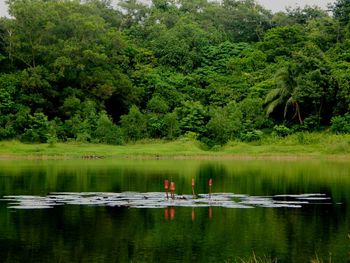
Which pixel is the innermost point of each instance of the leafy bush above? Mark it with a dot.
(52, 138)
(192, 136)
(157, 105)
(281, 130)
(171, 125)
(311, 123)
(192, 117)
(38, 128)
(252, 113)
(225, 124)
(341, 124)
(134, 124)
(78, 128)
(107, 132)
(250, 136)
(7, 131)
(155, 125)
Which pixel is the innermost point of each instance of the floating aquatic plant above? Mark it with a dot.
(159, 200)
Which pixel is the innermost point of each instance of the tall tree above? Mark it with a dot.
(284, 93)
(341, 11)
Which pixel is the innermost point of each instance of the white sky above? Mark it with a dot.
(279, 5)
(274, 5)
(3, 8)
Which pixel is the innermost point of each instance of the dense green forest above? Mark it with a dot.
(92, 72)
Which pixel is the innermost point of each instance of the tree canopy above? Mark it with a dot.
(214, 71)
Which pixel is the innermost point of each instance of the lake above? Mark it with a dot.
(117, 211)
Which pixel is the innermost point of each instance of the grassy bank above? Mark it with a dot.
(302, 145)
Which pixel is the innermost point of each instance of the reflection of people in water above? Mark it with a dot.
(172, 189)
(166, 214)
(172, 213)
(168, 211)
(166, 187)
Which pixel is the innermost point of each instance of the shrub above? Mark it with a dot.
(311, 123)
(171, 124)
(134, 124)
(78, 128)
(192, 117)
(253, 116)
(281, 130)
(157, 105)
(7, 131)
(341, 124)
(250, 136)
(225, 124)
(107, 132)
(155, 125)
(52, 133)
(192, 136)
(38, 128)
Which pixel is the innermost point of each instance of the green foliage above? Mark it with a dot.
(8, 105)
(157, 105)
(311, 123)
(171, 125)
(341, 124)
(192, 117)
(181, 46)
(225, 124)
(253, 116)
(282, 41)
(107, 132)
(82, 122)
(78, 128)
(38, 129)
(8, 88)
(250, 136)
(285, 92)
(304, 15)
(341, 75)
(306, 138)
(242, 21)
(341, 11)
(52, 138)
(72, 70)
(134, 124)
(324, 32)
(155, 125)
(281, 130)
(71, 106)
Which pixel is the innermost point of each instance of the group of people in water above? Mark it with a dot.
(172, 188)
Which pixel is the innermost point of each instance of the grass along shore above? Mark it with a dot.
(296, 146)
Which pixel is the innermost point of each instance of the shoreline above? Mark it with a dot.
(211, 157)
(327, 148)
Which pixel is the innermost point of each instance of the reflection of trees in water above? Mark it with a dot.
(77, 234)
(215, 171)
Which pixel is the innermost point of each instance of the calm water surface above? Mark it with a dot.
(89, 233)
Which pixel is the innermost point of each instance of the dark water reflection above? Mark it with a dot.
(73, 233)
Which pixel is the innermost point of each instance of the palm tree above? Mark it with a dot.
(284, 93)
